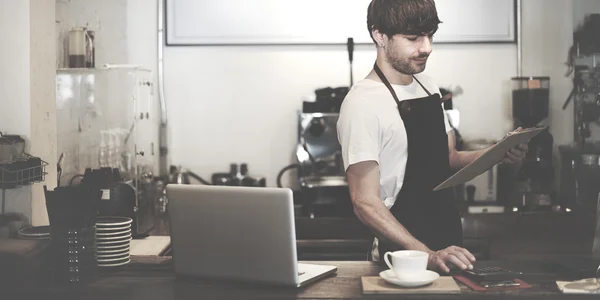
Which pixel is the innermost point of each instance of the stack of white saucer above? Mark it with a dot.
(113, 240)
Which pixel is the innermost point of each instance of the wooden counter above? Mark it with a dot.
(153, 278)
(488, 236)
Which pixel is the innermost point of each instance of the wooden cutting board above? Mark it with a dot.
(152, 245)
(376, 285)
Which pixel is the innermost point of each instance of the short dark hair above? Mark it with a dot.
(409, 17)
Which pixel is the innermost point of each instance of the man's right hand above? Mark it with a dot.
(453, 255)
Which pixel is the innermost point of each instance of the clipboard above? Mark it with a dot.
(489, 158)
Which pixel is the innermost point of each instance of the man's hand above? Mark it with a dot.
(516, 154)
(460, 257)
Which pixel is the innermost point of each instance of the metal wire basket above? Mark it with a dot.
(24, 171)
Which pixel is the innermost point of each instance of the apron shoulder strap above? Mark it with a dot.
(387, 84)
(389, 87)
(422, 86)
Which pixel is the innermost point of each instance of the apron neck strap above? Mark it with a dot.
(389, 86)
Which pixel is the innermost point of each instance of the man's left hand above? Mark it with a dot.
(516, 154)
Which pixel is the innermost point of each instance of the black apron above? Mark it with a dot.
(431, 217)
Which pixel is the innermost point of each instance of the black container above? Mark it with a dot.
(7, 150)
(221, 179)
(73, 252)
(580, 175)
(8, 175)
(329, 100)
(530, 100)
(18, 145)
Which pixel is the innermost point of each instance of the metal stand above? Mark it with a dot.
(26, 171)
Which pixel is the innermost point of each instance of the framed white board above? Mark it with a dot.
(277, 22)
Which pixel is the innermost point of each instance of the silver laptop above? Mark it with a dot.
(237, 233)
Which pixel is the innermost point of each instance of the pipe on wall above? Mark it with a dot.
(519, 9)
(163, 162)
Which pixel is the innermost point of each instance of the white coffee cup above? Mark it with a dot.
(407, 264)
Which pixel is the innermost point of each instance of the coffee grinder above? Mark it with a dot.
(534, 182)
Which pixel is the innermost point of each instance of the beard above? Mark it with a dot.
(404, 65)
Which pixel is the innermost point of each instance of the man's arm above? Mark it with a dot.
(459, 159)
(363, 181)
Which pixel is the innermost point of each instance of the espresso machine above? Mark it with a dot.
(535, 177)
(321, 178)
(580, 161)
(321, 174)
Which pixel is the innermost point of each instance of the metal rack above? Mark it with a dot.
(22, 172)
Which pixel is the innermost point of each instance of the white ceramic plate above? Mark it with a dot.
(113, 247)
(111, 260)
(112, 229)
(123, 236)
(116, 233)
(112, 257)
(424, 278)
(109, 242)
(34, 232)
(113, 251)
(125, 248)
(112, 221)
(115, 264)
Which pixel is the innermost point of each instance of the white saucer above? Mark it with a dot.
(112, 260)
(102, 255)
(424, 278)
(118, 240)
(110, 222)
(120, 236)
(111, 229)
(102, 247)
(102, 259)
(108, 234)
(101, 251)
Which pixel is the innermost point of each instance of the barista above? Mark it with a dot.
(397, 144)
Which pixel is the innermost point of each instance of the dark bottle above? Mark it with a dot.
(234, 174)
(246, 179)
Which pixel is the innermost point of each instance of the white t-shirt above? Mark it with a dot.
(370, 129)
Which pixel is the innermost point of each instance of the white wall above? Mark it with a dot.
(14, 86)
(14, 59)
(239, 104)
(27, 93)
(43, 99)
(547, 37)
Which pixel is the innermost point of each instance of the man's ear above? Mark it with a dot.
(378, 37)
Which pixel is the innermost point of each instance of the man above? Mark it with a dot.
(397, 144)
